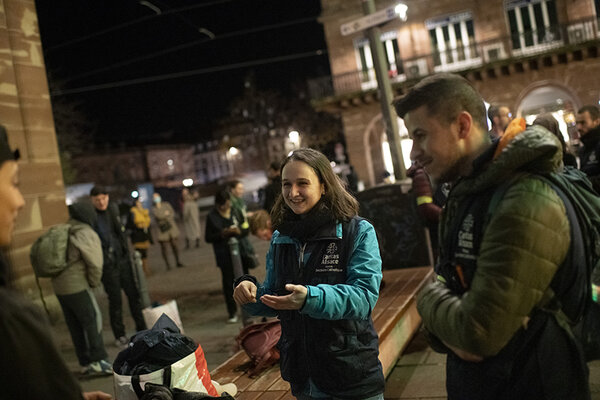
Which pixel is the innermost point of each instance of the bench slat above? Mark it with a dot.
(265, 380)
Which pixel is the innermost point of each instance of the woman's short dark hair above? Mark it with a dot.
(233, 183)
(221, 197)
(336, 199)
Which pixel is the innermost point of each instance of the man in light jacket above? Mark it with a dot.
(73, 290)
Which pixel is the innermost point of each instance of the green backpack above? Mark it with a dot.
(570, 292)
(48, 253)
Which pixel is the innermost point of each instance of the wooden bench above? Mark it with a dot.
(396, 321)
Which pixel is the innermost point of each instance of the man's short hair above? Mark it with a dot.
(493, 111)
(445, 96)
(97, 189)
(591, 109)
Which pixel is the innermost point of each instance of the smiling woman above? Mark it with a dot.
(322, 281)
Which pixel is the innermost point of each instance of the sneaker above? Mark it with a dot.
(122, 342)
(232, 320)
(98, 368)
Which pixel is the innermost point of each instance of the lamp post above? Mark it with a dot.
(385, 88)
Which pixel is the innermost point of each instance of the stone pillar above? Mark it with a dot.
(26, 112)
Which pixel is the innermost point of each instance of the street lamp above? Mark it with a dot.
(294, 137)
(401, 10)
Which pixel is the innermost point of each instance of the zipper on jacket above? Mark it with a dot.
(301, 259)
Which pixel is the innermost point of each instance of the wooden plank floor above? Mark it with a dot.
(396, 321)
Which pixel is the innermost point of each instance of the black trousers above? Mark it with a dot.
(227, 279)
(115, 277)
(84, 321)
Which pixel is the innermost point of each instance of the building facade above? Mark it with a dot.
(532, 55)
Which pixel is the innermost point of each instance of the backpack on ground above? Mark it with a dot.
(259, 341)
(48, 253)
(571, 289)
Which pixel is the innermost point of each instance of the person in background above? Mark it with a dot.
(168, 233)
(500, 116)
(273, 189)
(191, 219)
(486, 309)
(117, 269)
(236, 189)
(140, 234)
(222, 223)
(322, 282)
(72, 288)
(260, 225)
(31, 364)
(588, 126)
(548, 121)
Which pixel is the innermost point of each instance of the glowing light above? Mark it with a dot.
(188, 182)
(135, 194)
(401, 10)
(294, 137)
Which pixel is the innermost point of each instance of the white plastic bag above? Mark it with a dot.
(190, 373)
(151, 314)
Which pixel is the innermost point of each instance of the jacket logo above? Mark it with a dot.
(332, 248)
(330, 260)
(465, 238)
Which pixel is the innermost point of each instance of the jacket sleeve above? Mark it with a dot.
(212, 232)
(88, 243)
(522, 247)
(356, 298)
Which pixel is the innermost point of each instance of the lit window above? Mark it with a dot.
(532, 23)
(364, 57)
(452, 39)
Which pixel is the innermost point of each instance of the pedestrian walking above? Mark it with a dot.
(322, 282)
(489, 309)
(168, 233)
(140, 233)
(191, 219)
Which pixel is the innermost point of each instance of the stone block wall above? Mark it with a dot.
(26, 112)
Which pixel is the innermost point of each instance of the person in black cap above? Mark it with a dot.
(31, 364)
(117, 272)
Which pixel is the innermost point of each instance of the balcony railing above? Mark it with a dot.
(461, 58)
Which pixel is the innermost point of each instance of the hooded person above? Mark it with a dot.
(31, 364)
(73, 290)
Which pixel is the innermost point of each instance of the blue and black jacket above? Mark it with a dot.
(331, 339)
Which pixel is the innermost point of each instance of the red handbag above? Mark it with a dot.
(259, 341)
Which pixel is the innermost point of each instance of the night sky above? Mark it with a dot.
(89, 47)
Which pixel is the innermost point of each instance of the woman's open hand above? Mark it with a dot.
(292, 301)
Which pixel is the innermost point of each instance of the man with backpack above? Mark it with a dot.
(73, 290)
(117, 266)
(504, 274)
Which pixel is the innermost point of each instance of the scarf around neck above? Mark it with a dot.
(305, 226)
